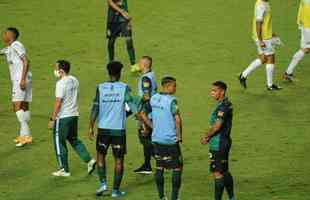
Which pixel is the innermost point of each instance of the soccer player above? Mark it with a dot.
(64, 120)
(263, 36)
(304, 25)
(219, 140)
(109, 112)
(147, 87)
(166, 136)
(119, 25)
(21, 78)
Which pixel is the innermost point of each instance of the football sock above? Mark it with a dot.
(148, 152)
(296, 59)
(255, 64)
(219, 188)
(269, 71)
(160, 182)
(131, 51)
(81, 150)
(118, 176)
(24, 127)
(111, 48)
(102, 173)
(176, 184)
(229, 185)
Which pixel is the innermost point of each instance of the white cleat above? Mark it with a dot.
(61, 173)
(103, 187)
(91, 165)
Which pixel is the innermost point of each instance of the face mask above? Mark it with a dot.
(56, 73)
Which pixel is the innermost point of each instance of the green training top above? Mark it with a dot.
(114, 16)
(223, 112)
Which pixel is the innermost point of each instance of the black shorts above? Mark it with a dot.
(118, 143)
(168, 156)
(118, 29)
(219, 160)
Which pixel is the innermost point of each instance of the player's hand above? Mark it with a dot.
(23, 84)
(262, 44)
(179, 140)
(204, 140)
(126, 15)
(91, 134)
(50, 124)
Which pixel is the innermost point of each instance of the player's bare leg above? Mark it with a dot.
(21, 109)
(299, 55)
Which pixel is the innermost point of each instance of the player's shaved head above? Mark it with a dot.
(115, 68)
(167, 79)
(10, 35)
(169, 84)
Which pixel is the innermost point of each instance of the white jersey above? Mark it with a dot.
(67, 89)
(14, 54)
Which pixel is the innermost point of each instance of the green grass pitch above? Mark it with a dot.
(198, 42)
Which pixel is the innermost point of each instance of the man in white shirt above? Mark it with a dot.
(64, 120)
(21, 78)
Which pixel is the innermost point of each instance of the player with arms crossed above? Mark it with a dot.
(166, 136)
(110, 113)
(304, 25)
(21, 78)
(64, 120)
(264, 37)
(219, 140)
(119, 25)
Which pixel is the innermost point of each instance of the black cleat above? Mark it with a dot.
(144, 170)
(242, 81)
(274, 87)
(288, 77)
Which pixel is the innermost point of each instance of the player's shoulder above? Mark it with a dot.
(226, 104)
(17, 44)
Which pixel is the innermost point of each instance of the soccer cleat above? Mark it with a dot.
(288, 77)
(61, 173)
(274, 87)
(242, 81)
(117, 193)
(24, 140)
(91, 165)
(144, 170)
(135, 68)
(18, 139)
(103, 187)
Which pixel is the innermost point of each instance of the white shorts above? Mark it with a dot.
(268, 50)
(22, 95)
(305, 38)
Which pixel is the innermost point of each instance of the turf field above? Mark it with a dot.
(196, 41)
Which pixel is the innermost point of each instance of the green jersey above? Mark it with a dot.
(113, 15)
(223, 113)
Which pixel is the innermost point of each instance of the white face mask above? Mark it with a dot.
(56, 73)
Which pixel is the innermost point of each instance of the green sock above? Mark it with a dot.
(176, 184)
(219, 188)
(102, 173)
(118, 176)
(160, 182)
(229, 185)
(81, 150)
(131, 51)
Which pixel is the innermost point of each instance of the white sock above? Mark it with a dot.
(269, 72)
(22, 118)
(255, 64)
(299, 55)
(27, 115)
